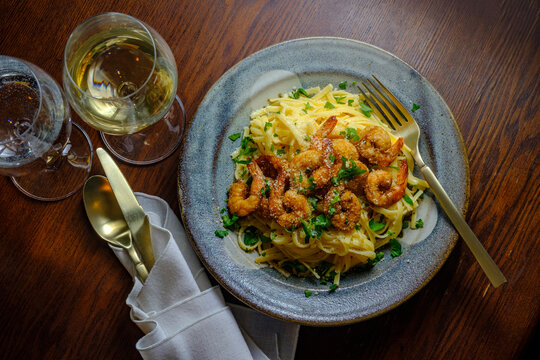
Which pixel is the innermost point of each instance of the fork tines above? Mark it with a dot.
(383, 103)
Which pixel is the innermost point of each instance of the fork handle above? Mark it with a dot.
(493, 273)
(142, 272)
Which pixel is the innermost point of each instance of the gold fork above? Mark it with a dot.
(387, 107)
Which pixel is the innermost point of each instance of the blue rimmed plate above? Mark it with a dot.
(206, 172)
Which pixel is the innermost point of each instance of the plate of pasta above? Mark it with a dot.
(300, 200)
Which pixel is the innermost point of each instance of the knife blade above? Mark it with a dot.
(134, 214)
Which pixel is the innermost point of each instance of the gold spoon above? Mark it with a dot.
(107, 219)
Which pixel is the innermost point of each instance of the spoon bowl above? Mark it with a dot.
(107, 219)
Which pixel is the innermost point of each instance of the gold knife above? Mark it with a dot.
(134, 215)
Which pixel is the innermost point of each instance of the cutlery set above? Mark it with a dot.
(116, 215)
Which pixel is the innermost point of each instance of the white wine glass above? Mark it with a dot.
(47, 158)
(120, 77)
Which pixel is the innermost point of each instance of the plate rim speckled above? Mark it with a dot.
(204, 170)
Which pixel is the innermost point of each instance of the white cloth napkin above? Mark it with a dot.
(183, 316)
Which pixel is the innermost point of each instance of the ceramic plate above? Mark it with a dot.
(206, 172)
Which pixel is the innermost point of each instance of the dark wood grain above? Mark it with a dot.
(62, 292)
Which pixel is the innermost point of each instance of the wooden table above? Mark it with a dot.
(62, 291)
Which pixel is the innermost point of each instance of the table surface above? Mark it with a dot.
(62, 290)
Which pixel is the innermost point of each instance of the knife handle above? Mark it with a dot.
(142, 272)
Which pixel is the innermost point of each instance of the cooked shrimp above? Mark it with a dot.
(357, 183)
(376, 146)
(271, 165)
(287, 208)
(241, 204)
(383, 190)
(344, 148)
(312, 168)
(343, 207)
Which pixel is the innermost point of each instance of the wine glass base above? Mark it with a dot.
(68, 175)
(152, 144)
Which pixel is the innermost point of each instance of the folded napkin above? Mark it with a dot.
(183, 316)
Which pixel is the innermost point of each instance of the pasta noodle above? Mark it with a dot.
(286, 128)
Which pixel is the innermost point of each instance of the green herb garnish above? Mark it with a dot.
(329, 105)
(339, 99)
(352, 134)
(343, 85)
(296, 94)
(375, 226)
(395, 248)
(378, 257)
(307, 293)
(313, 201)
(221, 233)
(366, 110)
(267, 126)
(235, 136)
(415, 107)
(308, 106)
(419, 223)
(407, 199)
(333, 287)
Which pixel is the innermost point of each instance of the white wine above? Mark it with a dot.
(122, 86)
(33, 128)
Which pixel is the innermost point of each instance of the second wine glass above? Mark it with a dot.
(120, 77)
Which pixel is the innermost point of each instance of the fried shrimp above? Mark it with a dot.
(239, 202)
(358, 183)
(383, 190)
(376, 146)
(312, 169)
(287, 208)
(271, 167)
(343, 208)
(344, 148)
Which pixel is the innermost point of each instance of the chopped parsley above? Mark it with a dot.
(336, 198)
(315, 226)
(235, 136)
(296, 94)
(378, 257)
(311, 181)
(346, 173)
(266, 189)
(252, 236)
(245, 151)
(343, 85)
(407, 199)
(229, 222)
(415, 107)
(307, 293)
(329, 105)
(333, 287)
(395, 248)
(280, 151)
(405, 225)
(366, 110)
(267, 126)
(374, 225)
(349, 102)
(313, 201)
(352, 134)
(339, 99)
(221, 233)
(308, 106)
(294, 266)
(419, 223)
